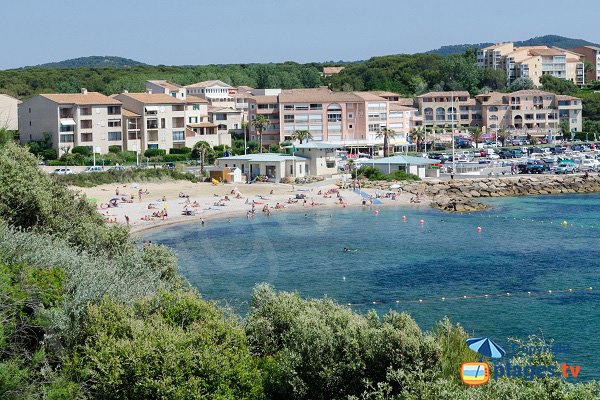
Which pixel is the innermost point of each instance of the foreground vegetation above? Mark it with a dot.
(126, 176)
(86, 313)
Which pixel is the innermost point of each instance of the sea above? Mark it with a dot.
(527, 266)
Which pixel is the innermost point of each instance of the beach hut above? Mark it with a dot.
(220, 174)
(235, 176)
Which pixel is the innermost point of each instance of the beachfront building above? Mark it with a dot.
(530, 112)
(592, 55)
(226, 119)
(420, 166)
(88, 119)
(443, 109)
(351, 119)
(163, 121)
(320, 157)
(274, 166)
(9, 115)
(216, 92)
(533, 62)
(267, 106)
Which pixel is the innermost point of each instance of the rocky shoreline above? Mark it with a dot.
(462, 195)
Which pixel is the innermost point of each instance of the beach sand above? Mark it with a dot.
(207, 194)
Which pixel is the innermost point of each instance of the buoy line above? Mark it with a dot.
(468, 297)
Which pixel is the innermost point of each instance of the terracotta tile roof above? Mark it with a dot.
(226, 110)
(461, 93)
(332, 70)
(195, 99)
(319, 95)
(167, 84)
(264, 99)
(153, 98)
(405, 101)
(91, 98)
(495, 98)
(546, 52)
(565, 97)
(368, 96)
(383, 93)
(399, 107)
(130, 114)
(532, 92)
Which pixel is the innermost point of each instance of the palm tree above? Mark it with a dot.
(301, 135)
(202, 148)
(386, 134)
(476, 135)
(260, 123)
(503, 135)
(416, 136)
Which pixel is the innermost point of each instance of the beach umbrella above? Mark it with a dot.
(486, 347)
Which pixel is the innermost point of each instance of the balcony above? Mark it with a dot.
(178, 122)
(152, 124)
(85, 111)
(153, 136)
(65, 113)
(114, 110)
(87, 137)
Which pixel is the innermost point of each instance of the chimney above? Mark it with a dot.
(83, 91)
(149, 91)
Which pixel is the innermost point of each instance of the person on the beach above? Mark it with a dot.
(164, 198)
(127, 219)
(202, 221)
(140, 194)
(117, 191)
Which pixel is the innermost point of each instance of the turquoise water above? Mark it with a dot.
(522, 247)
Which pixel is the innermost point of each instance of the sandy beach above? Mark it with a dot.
(209, 202)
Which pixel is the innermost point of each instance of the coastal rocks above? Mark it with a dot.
(458, 204)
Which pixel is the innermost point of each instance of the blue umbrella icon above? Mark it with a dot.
(486, 347)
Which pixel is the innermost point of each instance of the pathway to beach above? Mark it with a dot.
(207, 201)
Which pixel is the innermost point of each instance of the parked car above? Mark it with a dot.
(532, 167)
(62, 171)
(97, 168)
(589, 164)
(504, 154)
(169, 165)
(566, 168)
(117, 168)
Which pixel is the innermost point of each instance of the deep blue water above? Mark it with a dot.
(522, 247)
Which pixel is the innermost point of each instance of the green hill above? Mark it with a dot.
(547, 40)
(93, 62)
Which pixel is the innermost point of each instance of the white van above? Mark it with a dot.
(94, 169)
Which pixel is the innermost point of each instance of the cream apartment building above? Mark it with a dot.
(443, 109)
(530, 112)
(88, 119)
(162, 121)
(533, 62)
(9, 115)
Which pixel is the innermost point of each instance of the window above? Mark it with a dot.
(222, 127)
(288, 118)
(316, 106)
(493, 109)
(67, 138)
(86, 137)
(86, 124)
(178, 136)
(302, 107)
(163, 123)
(153, 146)
(288, 107)
(195, 107)
(334, 117)
(192, 120)
(114, 123)
(114, 110)
(350, 126)
(114, 136)
(350, 115)
(221, 117)
(82, 111)
(374, 127)
(152, 124)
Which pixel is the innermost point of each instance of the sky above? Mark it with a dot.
(194, 32)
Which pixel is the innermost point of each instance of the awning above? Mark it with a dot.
(67, 122)
(151, 108)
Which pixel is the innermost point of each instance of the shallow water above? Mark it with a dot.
(522, 247)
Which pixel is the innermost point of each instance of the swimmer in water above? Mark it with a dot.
(347, 250)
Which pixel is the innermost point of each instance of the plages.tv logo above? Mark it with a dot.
(478, 373)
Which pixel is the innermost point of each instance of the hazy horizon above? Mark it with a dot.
(186, 32)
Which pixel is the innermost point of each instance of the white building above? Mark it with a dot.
(9, 116)
(420, 166)
(275, 166)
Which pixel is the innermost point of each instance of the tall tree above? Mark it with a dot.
(476, 135)
(260, 123)
(417, 135)
(503, 135)
(201, 150)
(387, 135)
(521, 84)
(300, 135)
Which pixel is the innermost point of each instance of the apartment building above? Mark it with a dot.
(216, 92)
(533, 62)
(88, 119)
(162, 121)
(9, 115)
(530, 112)
(166, 87)
(226, 119)
(443, 109)
(591, 54)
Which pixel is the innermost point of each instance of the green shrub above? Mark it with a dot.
(129, 175)
(115, 149)
(154, 153)
(180, 150)
(72, 159)
(375, 174)
(175, 157)
(83, 150)
(174, 346)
